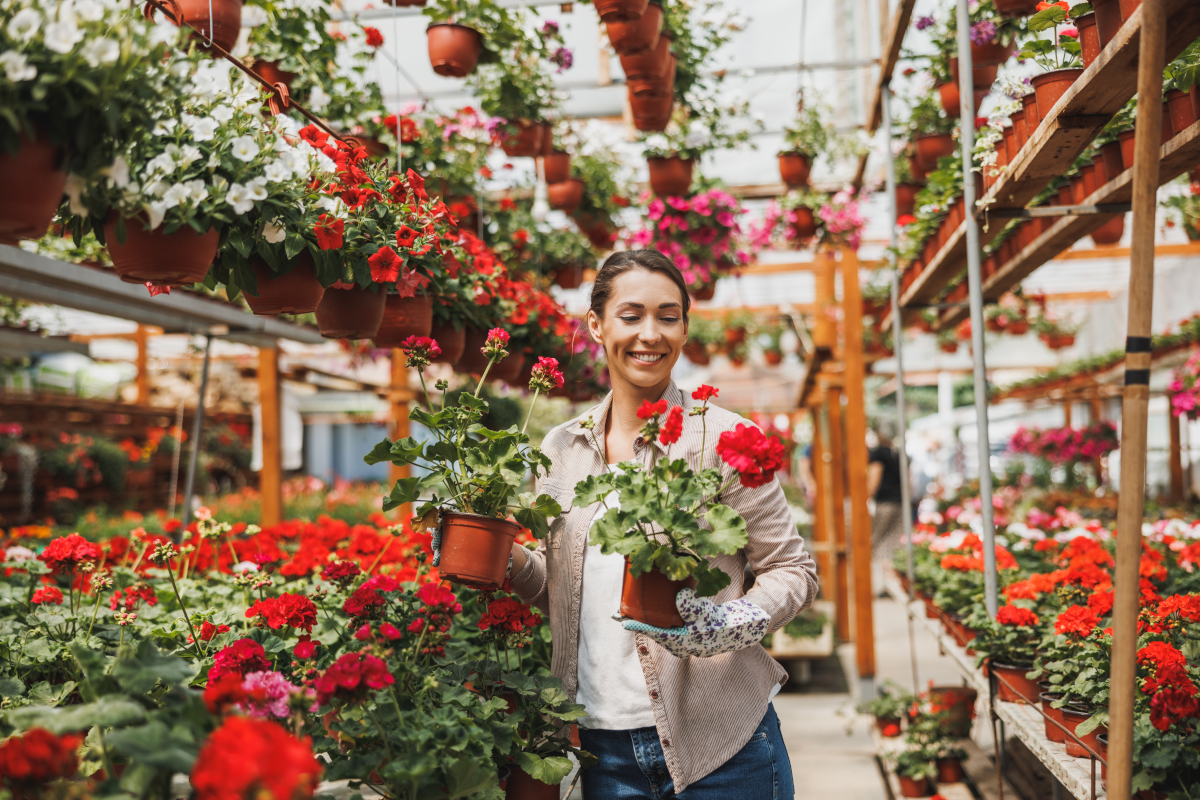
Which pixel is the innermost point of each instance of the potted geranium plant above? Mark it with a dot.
(915, 769)
(458, 31)
(474, 474)
(1008, 644)
(672, 154)
(676, 522)
(806, 139)
(889, 706)
(1059, 56)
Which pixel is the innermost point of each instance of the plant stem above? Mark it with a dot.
(95, 610)
(382, 733)
(379, 557)
(483, 377)
(530, 414)
(187, 618)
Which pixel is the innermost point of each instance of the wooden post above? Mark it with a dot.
(1068, 407)
(1175, 459)
(837, 503)
(1097, 410)
(822, 535)
(143, 377)
(824, 331)
(856, 468)
(399, 403)
(271, 480)
(1135, 402)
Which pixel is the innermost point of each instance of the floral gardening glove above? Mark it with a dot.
(435, 544)
(709, 629)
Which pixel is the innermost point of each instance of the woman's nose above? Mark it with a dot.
(649, 333)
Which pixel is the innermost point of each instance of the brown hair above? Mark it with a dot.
(621, 262)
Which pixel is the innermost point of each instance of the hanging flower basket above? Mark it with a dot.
(531, 139)
(670, 176)
(931, 147)
(569, 276)
(620, 10)
(220, 20)
(637, 36)
(651, 113)
(706, 292)
(696, 352)
(472, 361)
(452, 340)
(556, 166)
(650, 63)
(985, 55)
(37, 170)
(567, 195)
(475, 549)
(272, 74)
(508, 370)
(181, 258)
(1110, 233)
(404, 317)
(1016, 8)
(297, 292)
(794, 169)
(650, 598)
(350, 312)
(805, 226)
(453, 49)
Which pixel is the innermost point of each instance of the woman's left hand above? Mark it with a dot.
(709, 629)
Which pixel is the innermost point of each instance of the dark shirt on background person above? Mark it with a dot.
(889, 482)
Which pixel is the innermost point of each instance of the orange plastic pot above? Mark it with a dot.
(1016, 8)
(639, 35)
(353, 313)
(670, 176)
(1110, 233)
(648, 64)
(1183, 116)
(404, 317)
(906, 198)
(1089, 38)
(567, 195)
(982, 76)
(1108, 19)
(475, 549)
(270, 72)
(296, 292)
(696, 352)
(530, 139)
(914, 166)
(472, 361)
(1126, 138)
(1053, 732)
(1127, 8)
(949, 96)
(794, 168)
(949, 770)
(181, 258)
(931, 147)
(1050, 86)
(1019, 129)
(521, 786)
(35, 179)
(1110, 154)
(651, 113)
(913, 787)
(1072, 717)
(453, 49)
(620, 10)
(556, 166)
(983, 55)
(1023, 690)
(1029, 106)
(450, 339)
(1165, 127)
(650, 598)
(1088, 173)
(569, 276)
(220, 20)
(805, 225)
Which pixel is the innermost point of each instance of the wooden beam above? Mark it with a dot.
(1189, 249)
(143, 370)
(1175, 460)
(271, 479)
(400, 429)
(822, 533)
(856, 466)
(893, 42)
(837, 497)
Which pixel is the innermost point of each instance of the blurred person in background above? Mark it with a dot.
(883, 485)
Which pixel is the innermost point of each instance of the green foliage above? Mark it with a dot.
(891, 701)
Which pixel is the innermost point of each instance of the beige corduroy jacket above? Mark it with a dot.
(705, 709)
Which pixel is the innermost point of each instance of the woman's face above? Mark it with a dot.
(643, 329)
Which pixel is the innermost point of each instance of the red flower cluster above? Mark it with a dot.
(650, 410)
(1077, 620)
(1173, 695)
(34, 758)
(47, 594)
(364, 603)
(756, 456)
(672, 427)
(374, 37)
(509, 616)
(341, 572)
(227, 692)
(704, 393)
(291, 610)
(68, 552)
(130, 596)
(350, 677)
(248, 758)
(1015, 615)
(546, 375)
(329, 231)
(241, 657)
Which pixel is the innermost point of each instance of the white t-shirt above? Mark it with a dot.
(612, 685)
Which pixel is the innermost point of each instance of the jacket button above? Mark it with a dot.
(643, 649)
(654, 695)
(666, 742)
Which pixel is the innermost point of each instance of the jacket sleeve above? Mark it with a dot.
(785, 574)
(530, 583)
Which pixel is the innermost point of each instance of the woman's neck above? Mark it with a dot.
(623, 423)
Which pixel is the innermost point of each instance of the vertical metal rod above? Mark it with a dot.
(967, 136)
(189, 485)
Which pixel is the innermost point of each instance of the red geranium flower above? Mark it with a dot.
(509, 616)
(1015, 615)
(291, 610)
(226, 692)
(374, 37)
(406, 236)
(651, 410)
(1161, 654)
(756, 456)
(208, 630)
(705, 393)
(130, 596)
(329, 232)
(341, 572)
(350, 677)
(32, 759)
(546, 375)
(420, 350)
(1078, 620)
(248, 758)
(672, 427)
(1173, 705)
(365, 602)
(47, 594)
(239, 658)
(68, 552)
(385, 265)
(305, 648)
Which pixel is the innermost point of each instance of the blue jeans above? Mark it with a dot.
(632, 765)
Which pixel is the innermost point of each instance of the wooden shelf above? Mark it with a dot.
(1100, 92)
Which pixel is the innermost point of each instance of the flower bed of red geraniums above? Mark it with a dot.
(1055, 572)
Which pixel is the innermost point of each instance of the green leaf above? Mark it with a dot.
(111, 712)
(293, 244)
(1161, 754)
(1079, 9)
(467, 776)
(155, 744)
(728, 534)
(533, 511)
(549, 770)
(709, 579)
(380, 453)
(593, 489)
(675, 567)
(140, 673)
(1046, 18)
(1091, 723)
(11, 687)
(642, 559)
(406, 490)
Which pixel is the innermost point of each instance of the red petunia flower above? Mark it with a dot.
(329, 232)
(406, 236)
(314, 136)
(672, 427)
(705, 393)
(247, 758)
(755, 456)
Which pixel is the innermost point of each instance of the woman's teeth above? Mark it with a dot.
(647, 357)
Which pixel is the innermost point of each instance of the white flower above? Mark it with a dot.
(88, 10)
(118, 173)
(18, 553)
(325, 164)
(241, 198)
(160, 163)
(165, 126)
(62, 36)
(16, 68)
(166, 33)
(318, 100)
(277, 171)
(74, 190)
(273, 232)
(188, 154)
(24, 24)
(214, 161)
(158, 188)
(291, 159)
(197, 191)
(257, 188)
(177, 194)
(222, 113)
(101, 51)
(155, 213)
(280, 145)
(331, 205)
(244, 148)
(244, 93)
(202, 128)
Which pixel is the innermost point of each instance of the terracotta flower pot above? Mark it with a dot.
(37, 170)
(296, 292)
(1088, 173)
(651, 113)
(706, 292)
(1053, 732)
(220, 20)
(949, 96)
(913, 787)
(530, 139)
(271, 73)
(906, 198)
(181, 258)
(1110, 154)
(805, 225)
(453, 49)
(987, 54)
(1110, 233)
(1195, 95)
(567, 195)
(949, 770)
(522, 787)
(1019, 129)
(794, 168)
(1089, 38)
(1071, 718)
(648, 64)
(1018, 327)
(670, 176)
(475, 549)
(932, 146)
(620, 10)
(1050, 86)
(914, 166)
(695, 352)
(472, 361)
(1023, 690)
(1029, 106)
(1108, 19)
(452, 340)
(404, 317)
(353, 313)
(1165, 127)
(1127, 8)
(556, 166)
(639, 35)
(958, 701)
(773, 357)
(1183, 116)
(1016, 8)
(650, 598)
(509, 370)
(982, 76)
(1126, 138)
(569, 276)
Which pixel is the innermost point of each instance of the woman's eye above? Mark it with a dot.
(629, 319)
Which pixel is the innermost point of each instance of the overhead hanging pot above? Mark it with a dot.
(620, 10)
(453, 49)
(181, 258)
(35, 179)
(296, 292)
(350, 312)
(450, 339)
(556, 166)
(639, 35)
(404, 317)
(220, 19)
(670, 176)
(567, 195)
(794, 168)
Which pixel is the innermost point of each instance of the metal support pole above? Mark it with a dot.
(189, 485)
(967, 129)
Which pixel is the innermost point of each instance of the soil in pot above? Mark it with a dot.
(639, 35)
(670, 176)
(949, 770)
(556, 166)
(35, 179)
(1023, 690)
(453, 49)
(1108, 19)
(1050, 86)
(931, 147)
(620, 10)
(296, 292)
(567, 195)
(220, 20)
(475, 549)
(650, 598)
(350, 313)
(452, 340)
(914, 787)
(794, 169)
(1053, 732)
(1183, 116)
(404, 317)
(1110, 233)
(181, 258)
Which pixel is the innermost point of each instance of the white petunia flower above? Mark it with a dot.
(332, 205)
(273, 232)
(25, 24)
(87, 10)
(325, 164)
(101, 51)
(318, 100)
(165, 126)
(277, 171)
(155, 213)
(240, 198)
(244, 93)
(160, 163)
(188, 154)
(244, 148)
(62, 36)
(222, 113)
(16, 66)
(202, 128)
(166, 33)
(118, 173)
(291, 159)
(197, 191)
(178, 193)
(74, 191)
(157, 188)
(258, 188)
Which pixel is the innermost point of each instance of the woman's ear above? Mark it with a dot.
(593, 323)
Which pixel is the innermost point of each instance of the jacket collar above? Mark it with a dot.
(599, 413)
